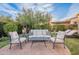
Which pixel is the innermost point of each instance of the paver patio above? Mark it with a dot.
(38, 48)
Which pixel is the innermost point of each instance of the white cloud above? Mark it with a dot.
(40, 6)
(74, 9)
(12, 13)
(54, 20)
(8, 9)
(34, 6)
(47, 5)
(7, 6)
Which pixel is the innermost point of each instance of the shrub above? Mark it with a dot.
(73, 27)
(40, 26)
(2, 33)
(44, 26)
(4, 41)
(10, 27)
(58, 27)
(19, 28)
(1, 29)
(4, 38)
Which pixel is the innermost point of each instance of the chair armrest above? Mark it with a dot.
(30, 33)
(21, 35)
(48, 33)
(53, 34)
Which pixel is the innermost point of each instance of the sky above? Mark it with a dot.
(59, 11)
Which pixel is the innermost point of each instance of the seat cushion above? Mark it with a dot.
(57, 40)
(39, 37)
(22, 39)
(14, 41)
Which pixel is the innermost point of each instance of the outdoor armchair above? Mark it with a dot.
(72, 33)
(16, 39)
(59, 39)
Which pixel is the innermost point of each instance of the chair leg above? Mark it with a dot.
(31, 43)
(45, 44)
(10, 45)
(64, 45)
(53, 45)
(20, 45)
(25, 41)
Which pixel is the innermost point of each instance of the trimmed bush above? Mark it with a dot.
(4, 41)
(58, 27)
(10, 27)
(1, 29)
(43, 26)
(4, 38)
(2, 33)
(73, 27)
(19, 28)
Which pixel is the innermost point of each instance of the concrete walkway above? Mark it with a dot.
(38, 48)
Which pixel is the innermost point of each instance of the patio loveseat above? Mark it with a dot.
(39, 35)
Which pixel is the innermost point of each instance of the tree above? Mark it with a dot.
(33, 19)
(10, 27)
(4, 20)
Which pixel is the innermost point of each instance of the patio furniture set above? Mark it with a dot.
(36, 35)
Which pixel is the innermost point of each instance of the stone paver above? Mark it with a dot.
(38, 48)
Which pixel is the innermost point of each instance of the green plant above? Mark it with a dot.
(53, 34)
(19, 28)
(73, 45)
(58, 27)
(4, 41)
(4, 38)
(1, 29)
(73, 27)
(10, 27)
(34, 19)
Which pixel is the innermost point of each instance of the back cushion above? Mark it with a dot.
(35, 32)
(60, 35)
(14, 35)
(72, 32)
(44, 32)
(39, 32)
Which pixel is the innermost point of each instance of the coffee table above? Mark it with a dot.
(39, 39)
